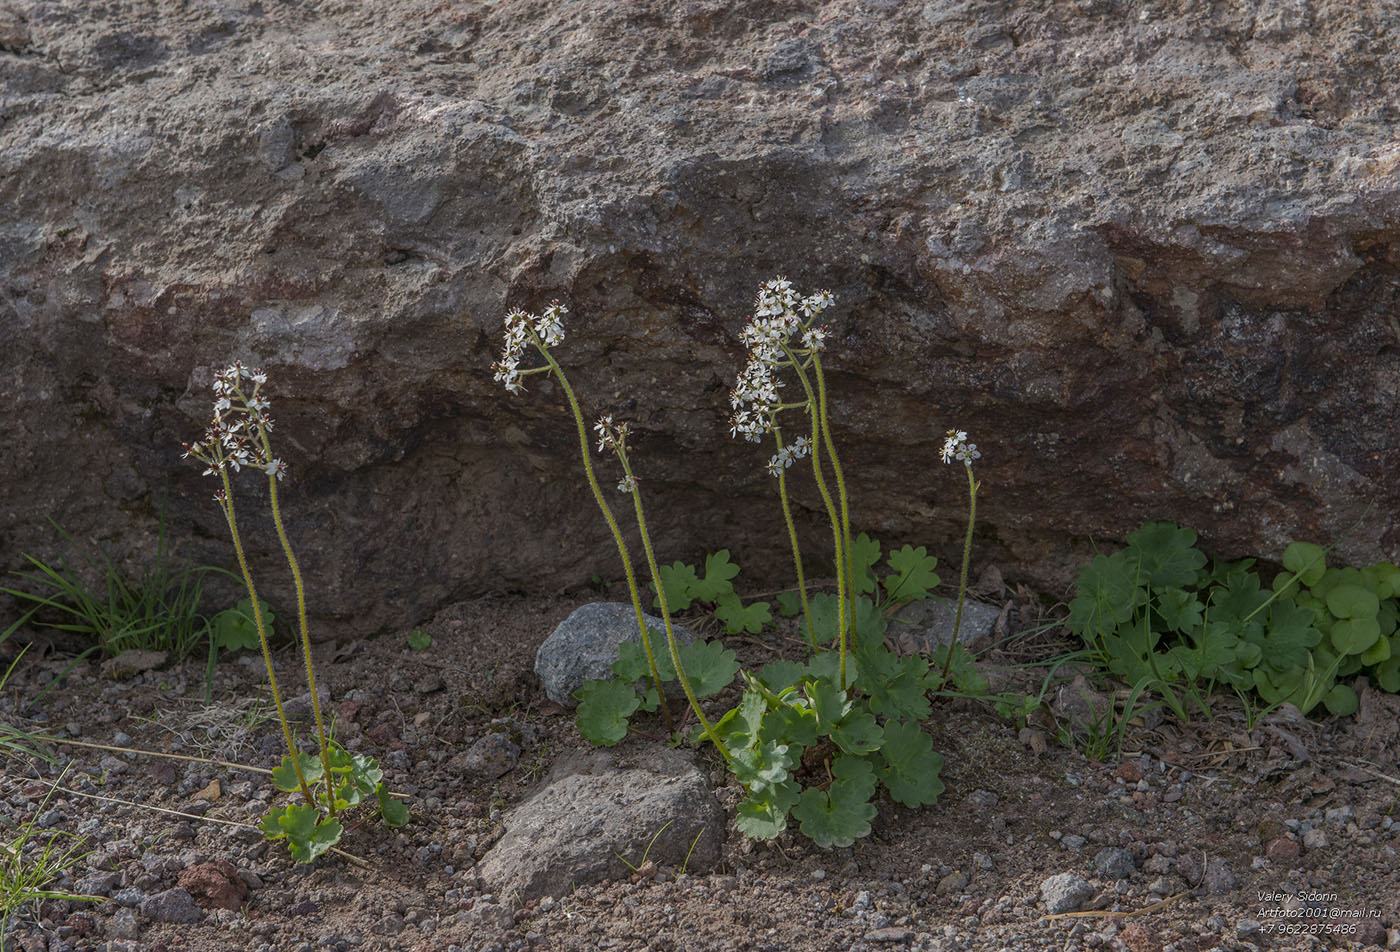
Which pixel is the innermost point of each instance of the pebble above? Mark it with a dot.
(1073, 842)
(1065, 893)
(1114, 862)
(1314, 840)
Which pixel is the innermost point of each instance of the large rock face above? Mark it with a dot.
(1148, 254)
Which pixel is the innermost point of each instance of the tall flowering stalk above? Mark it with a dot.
(783, 334)
(956, 448)
(238, 437)
(542, 332)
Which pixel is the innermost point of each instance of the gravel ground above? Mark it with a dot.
(1206, 836)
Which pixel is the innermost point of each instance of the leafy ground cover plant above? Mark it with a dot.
(812, 739)
(159, 611)
(1155, 615)
(31, 863)
(337, 780)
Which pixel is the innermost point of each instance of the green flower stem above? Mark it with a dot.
(612, 525)
(796, 552)
(262, 634)
(305, 636)
(962, 577)
(839, 539)
(840, 488)
(666, 615)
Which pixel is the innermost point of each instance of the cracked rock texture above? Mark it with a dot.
(1147, 253)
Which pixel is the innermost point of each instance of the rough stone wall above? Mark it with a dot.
(1147, 253)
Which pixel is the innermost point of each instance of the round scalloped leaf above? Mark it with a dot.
(1306, 559)
(1352, 636)
(1378, 652)
(1352, 601)
(1387, 579)
(1387, 674)
(1341, 700)
(603, 709)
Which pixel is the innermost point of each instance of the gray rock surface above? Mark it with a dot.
(594, 812)
(930, 623)
(584, 646)
(1147, 261)
(1114, 862)
(172, 905)
(1064, 892)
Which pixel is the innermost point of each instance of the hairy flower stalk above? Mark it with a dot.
(617, 441)
(956, 447)
(237, 438)
(543, 332)
(782, 334)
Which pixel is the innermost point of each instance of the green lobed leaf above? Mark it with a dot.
(1387, 674)
(1378, 652)
(763, 816)
(781, 675)
(896, 687)
(739, 726)
(1290, 634)
(829, 703)
(1180, 610)
(865, 552)
(911, 766)
(393, 810)
(709, 665)
(1167, 553)
(764, 766)
(603, 709)
(913, 576)
(841, 814)
(719, 572)
(419, 640)
(234, 628)
(1107, 594)
(308, 834)
(284, 776)
(789, 604)
(793, 724)
(858, 733)
(677, 580)
(739, 617)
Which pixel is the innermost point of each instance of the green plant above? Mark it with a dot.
(810, 739)
(238, 437)
(31, 863)
(419, 640)
(159, 611)
(13, 741)
(1155, 615)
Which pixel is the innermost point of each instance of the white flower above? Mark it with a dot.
(258, 377)
(814, 338)
(801, 447)
(276, 468)
(957, 447)
(550, 325)
(627, 484)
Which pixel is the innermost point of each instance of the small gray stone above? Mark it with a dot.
(131, 663)
(172, 905)
(130, 896)
(1220, 879)
(99, 883)
(1315, 840)
(1248, 927)
(584, 646)
(1065, 893)
(1073, 842)
(491, 757)
(1115, 863)
(930, 622)
(123, 925)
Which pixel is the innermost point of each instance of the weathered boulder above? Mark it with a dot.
(585, 645)
(1149, 258)
(598, 818)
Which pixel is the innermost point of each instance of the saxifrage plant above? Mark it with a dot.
(811, 739)
(237, 438)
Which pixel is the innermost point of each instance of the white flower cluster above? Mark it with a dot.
(546, 330)
(613, 436)
(789, 454)
(957, 447)
(235, 437)
(776, 320)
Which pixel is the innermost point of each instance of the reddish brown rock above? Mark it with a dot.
(1283, 850)
(214, 885)
(1146, 262)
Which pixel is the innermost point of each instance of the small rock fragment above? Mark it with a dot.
(1065, 893)
(172, 905)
